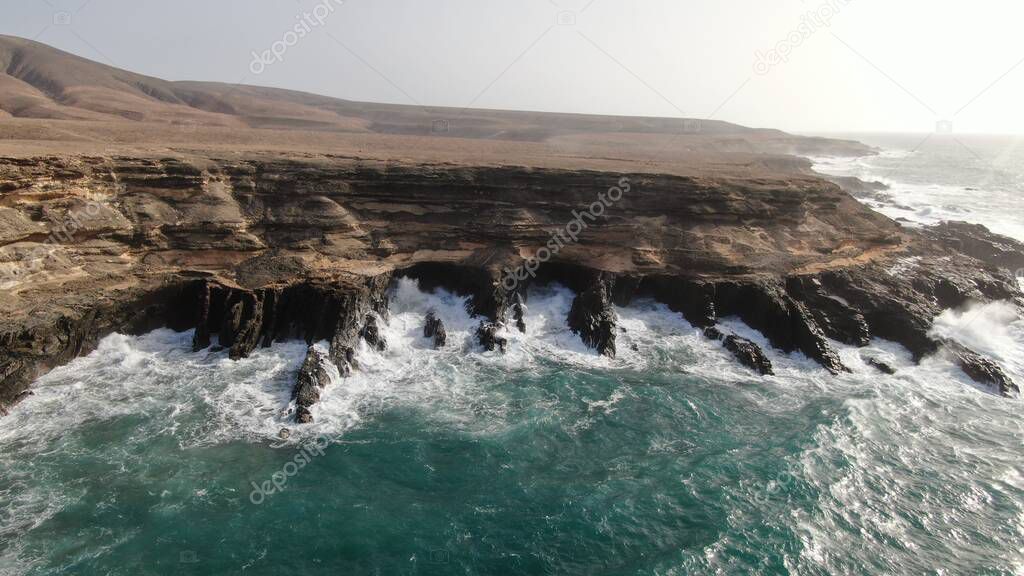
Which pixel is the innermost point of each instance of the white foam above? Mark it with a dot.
(930, 203)
(461, 387)
(994, 329)
(159, 375)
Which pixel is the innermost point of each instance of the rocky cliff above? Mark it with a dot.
(252, 251)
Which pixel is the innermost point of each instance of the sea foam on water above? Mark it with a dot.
(555, 429)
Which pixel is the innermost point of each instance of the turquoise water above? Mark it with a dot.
(142, 458)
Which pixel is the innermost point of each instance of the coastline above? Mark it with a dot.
(928, 180)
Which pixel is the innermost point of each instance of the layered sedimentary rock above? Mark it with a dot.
(257, 250)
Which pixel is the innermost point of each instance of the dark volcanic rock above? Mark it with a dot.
(231, 323)
(313, 378)
(900, 301)
(311, 311)
(487, 336)
(693, 298)
(519, 314)
(713, 333)
(810, 339)
(982, 370)
(434, 329)
(201, 338)
(787, 323)
(593, 318)
(247, 337)
(979, 242)
(372, 334)
(880, 366)
(835, 317)
(749, 354)
(352, 308)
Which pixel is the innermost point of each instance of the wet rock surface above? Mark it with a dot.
(749, 354)
(593, 318)
(372, 334)
(786, 322)
(519, 314)
(712, 333)
(487, 336)
(434, 329)
(983, 370)
(746, 352)
(313, 378)
(881, 366)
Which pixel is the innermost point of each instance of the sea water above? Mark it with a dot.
(147, 458)
(931, 178)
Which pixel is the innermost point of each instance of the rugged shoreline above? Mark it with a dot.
(263, 251)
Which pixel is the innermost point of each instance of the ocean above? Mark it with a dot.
(931, 178)
(146, 458)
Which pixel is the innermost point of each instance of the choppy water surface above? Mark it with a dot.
(146, 458)
(142, 458)
(931, 178)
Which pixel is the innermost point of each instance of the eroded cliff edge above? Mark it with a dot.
(263, 249)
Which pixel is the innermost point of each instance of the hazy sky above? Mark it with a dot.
(857, 65)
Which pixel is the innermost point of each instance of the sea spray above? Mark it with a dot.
(669, 459)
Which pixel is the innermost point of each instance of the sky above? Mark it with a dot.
(798, 65)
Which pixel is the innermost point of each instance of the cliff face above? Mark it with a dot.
(263, 249)
(344, 215)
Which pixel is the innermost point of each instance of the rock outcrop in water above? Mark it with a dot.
(593, 318)
(519, 313)
(372, 334)
(881, 366)
(434, 329)
(487, 336)
(749, 354)
(981, 369)
(746, 352)
(255, 251)
(313, 378)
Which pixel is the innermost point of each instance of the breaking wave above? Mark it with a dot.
(978, 180)
(669, 459)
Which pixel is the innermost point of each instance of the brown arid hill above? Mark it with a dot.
(254, 215)
(42, 83)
